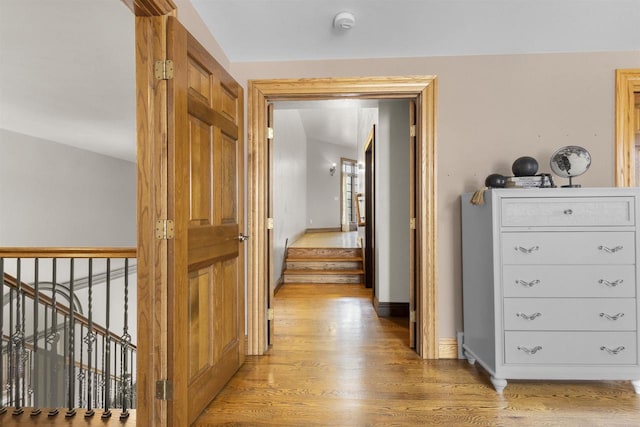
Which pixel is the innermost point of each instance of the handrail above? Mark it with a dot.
(68, 252)
(62, 309)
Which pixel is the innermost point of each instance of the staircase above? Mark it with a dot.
(323, 265)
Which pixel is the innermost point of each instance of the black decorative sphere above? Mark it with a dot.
(495, 180)
(525, 166)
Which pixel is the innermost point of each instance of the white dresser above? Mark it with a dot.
(550, 284)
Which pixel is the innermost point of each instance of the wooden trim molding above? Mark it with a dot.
(448, 348)
(627, 85)
(423, 90)
(24, 252)
(151, 105)
(391, 309)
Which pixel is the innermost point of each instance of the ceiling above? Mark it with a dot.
(67, 66)
(280, 30)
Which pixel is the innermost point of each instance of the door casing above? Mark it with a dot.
(422, 89)
(627, 83)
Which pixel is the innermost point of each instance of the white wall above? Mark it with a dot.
(323, 190)
(55, 195)
(392, 202)
(492, 109)
(289, 183)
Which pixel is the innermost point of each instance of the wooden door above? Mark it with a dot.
(369, 213)
(412, 219)
(271, 282)
(206, 262)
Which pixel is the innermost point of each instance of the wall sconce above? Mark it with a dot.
(332, 169)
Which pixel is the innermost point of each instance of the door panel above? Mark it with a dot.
(207, 264)
(412, 232)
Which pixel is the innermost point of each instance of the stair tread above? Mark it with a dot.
(321, 272)
(323, 259)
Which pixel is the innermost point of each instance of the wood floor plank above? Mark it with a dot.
(335, 363)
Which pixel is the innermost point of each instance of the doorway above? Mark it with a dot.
(420, 89)
(348, 190)
(627, 119)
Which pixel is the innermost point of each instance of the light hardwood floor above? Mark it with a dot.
(335, 363)
(332, 239)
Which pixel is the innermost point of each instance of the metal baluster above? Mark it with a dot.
(45, 380)
(81, 375)
(96, 399)
(3, 408)
(89, 340)
(106, 351)
(71, 347)
(54, 336)
(132, 390)
(33, 384)
(18, 340)
(10, 353)
(126, 340)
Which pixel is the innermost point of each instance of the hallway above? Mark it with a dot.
(335, 363)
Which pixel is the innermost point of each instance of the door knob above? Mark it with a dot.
(242, 237)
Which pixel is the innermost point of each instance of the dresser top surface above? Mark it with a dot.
(561, 192)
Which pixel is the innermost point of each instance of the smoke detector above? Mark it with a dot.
(344, 20)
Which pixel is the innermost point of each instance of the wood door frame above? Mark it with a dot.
(627, 82)
(152, 204)
(423, 89)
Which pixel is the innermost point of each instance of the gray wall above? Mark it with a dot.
(56, 195)
(289, 183)
(392, 202)
(323, 190)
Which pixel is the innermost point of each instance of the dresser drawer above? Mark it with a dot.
(570, 314)
(568, 247)
(568, 212)
(570, 348)
(562, 281)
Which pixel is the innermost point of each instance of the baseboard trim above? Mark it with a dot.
(448, 348)
(391, 309)
(279, 284)
(324, 230)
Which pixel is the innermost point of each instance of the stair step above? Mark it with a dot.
(335, 276)
(319, 259)
(324, 264)
(324, 253)
(323, 272)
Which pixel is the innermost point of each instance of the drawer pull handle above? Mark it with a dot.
(568, 212)
(527, 284)
(527, 251)
(529, 316)
(610, 250)
(533, 350)
(613, 351)
(614, 317)
(610, 284)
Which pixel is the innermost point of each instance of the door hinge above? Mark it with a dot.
(164, 229)
(412, 131)
(163, 69)
(270, 314)
(164, 390)
(269, 133)
(412, 224)
(269, 223)
(412, 316)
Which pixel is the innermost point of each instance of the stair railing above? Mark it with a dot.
(62, 344)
